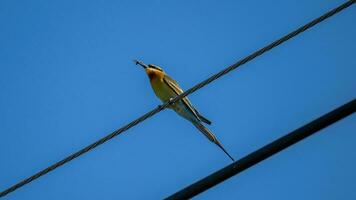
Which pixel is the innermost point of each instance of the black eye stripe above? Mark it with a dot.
(152, 66)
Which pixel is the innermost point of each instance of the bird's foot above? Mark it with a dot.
(170, 101)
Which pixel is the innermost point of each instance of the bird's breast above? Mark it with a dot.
(161, 89)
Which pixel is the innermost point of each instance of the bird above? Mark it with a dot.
(166, 89)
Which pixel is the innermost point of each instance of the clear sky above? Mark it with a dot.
(67, 79)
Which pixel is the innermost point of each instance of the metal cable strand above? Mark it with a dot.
(80, 152)
(265, 49)
(165, 105)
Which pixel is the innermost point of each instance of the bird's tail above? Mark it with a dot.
(211, 137)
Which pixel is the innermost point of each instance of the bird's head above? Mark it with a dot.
(150, 69)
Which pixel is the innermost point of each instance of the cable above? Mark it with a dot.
(165, 105)
(265, 152)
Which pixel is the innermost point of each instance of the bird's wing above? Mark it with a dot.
(176, 88)
(202, 118)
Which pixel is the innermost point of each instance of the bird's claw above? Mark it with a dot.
(170, 100)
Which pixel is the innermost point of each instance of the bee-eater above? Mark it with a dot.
(166, 88)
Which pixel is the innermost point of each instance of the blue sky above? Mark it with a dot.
(67, 79)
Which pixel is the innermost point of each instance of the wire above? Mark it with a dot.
(177, 98)
(265, 152)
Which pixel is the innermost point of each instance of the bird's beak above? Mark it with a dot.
(137, 62)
